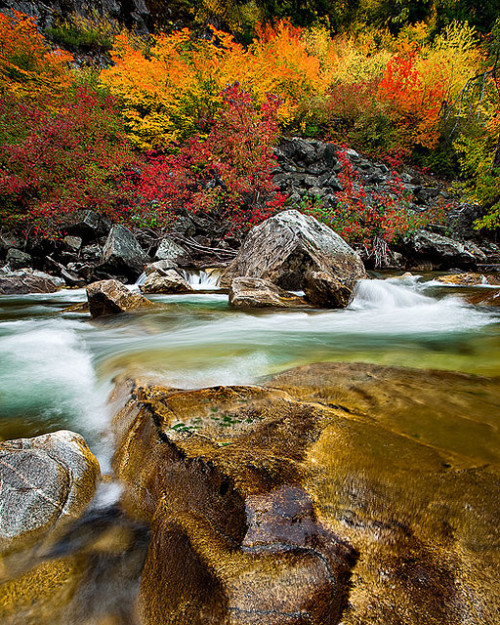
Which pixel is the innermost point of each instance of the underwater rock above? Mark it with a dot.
(469, 279)
(336, 493)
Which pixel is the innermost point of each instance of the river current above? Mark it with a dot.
(56, 368)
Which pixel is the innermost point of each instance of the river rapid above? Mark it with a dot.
(57, 368)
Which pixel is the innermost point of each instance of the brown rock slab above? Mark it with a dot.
(264, 501)
(235, 538)
(469, 279)
(260, 293)
(110, 297)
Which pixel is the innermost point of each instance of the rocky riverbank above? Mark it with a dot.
(92, 249)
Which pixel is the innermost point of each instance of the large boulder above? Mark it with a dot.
(441, 252)
(24, 281)
(263, 501)
(260, 293)
(285, 247)
(45, 482)
(110, 297)
(122, 253)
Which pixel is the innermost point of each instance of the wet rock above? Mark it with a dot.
(326, 291)
(469, 279)
(122, 253)
(487, 298)
(44, 482)
(257, 497)
(235, 538)
(165, 281)
(110, 297)
(260, 293)
(18, 259)
(25, 281)
(442, 252)
(283, 248)
(169, 250)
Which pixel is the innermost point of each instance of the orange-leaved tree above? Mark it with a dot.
(414, 105)
(28, 67)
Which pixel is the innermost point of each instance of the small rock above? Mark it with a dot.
(168, 250)
(165, 281)
(74, 243)
(89, 225)
(260, 293)
(326, 291)
(110, 297)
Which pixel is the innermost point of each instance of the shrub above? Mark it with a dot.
(54, 162)
(226, 176)
(371, 221)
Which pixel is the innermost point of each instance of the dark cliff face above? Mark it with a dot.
(134, 14)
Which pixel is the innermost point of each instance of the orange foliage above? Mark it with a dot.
(414, 104)
(28, 68)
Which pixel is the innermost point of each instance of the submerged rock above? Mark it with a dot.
(487, 298)
(45, 482)
(469, 279)
(260, 293)
(24, 281)
(285, 247)
(263, 501)
(109, 297)
(235, 537)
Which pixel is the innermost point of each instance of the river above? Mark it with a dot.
(57, 368)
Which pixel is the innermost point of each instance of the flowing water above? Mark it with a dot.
(57, 368)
